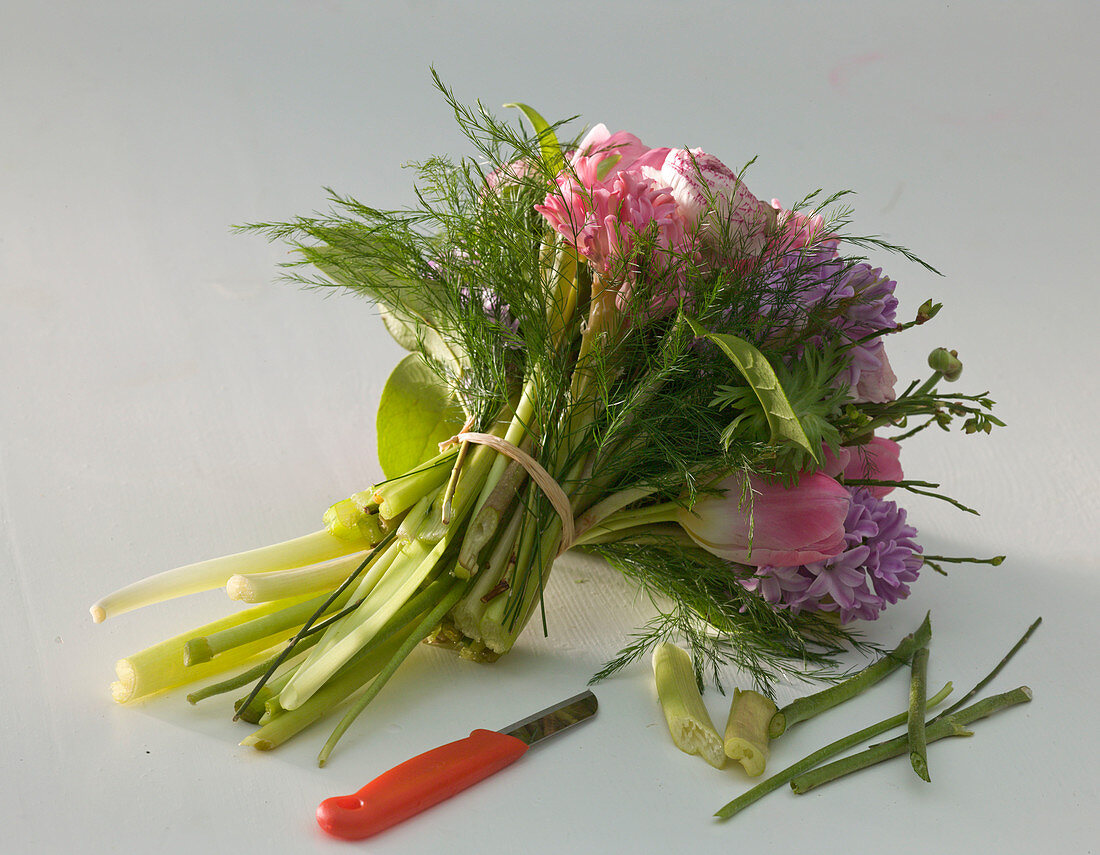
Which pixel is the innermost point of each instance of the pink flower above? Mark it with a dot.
(616, 152)
(877, 460)
(602, 203)
(603, 218)
(876, 384)
(714, 200)
(775, 525)
(800, 230)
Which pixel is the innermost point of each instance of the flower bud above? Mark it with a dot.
(946, 362)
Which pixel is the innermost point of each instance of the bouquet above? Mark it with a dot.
(613, 348)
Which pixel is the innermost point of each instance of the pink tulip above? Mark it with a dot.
(775, 525)
(877, 460)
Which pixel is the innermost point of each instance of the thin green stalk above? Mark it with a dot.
(292, 644)
(610, 505)
(918, 752)
(821, 755)
(666, 512)
(988, 678)
(350, 679)
(242, 679)
(811, 705)
(422, 630)
(941, 727)
(214, 573)
(661, 533)
(203, 648)
(280, 584)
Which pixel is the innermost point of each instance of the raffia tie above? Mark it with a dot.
(550, 488)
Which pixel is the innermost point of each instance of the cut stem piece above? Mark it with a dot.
(820, 756)
(746, 737)
(688, 721)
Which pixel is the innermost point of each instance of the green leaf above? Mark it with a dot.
(758, 372)
(415, 414)
(548, 141)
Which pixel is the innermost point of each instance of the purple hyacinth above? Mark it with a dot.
(880, 560)
(861, 296)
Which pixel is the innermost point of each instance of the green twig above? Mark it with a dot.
(820, 756)
(988, 678)
(809, 706)
(942, 726)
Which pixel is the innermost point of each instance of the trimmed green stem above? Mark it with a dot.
(821, 755)
(245, 677)
(918, 752)
(279, 584)
(941, 727)
(214, 573)
(422, 630)
(203, 648)
(811, 705)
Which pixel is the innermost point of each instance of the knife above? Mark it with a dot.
(436, 775)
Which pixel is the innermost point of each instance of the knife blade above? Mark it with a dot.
(436, 775)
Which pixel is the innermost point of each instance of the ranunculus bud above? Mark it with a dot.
(946, 362)
(712, 197)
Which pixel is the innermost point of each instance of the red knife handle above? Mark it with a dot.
(419, 783)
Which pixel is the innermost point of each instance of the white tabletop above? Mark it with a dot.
(163, 399)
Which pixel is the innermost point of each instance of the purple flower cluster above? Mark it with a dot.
(861, 296)
(880, 560)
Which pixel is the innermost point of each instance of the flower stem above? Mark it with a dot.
(918, 752)
(214, 573)
(418, 634)
(809, 706)
(203, 648)
(279, 584)
(822, 754)
(245, 677)
(941, 727)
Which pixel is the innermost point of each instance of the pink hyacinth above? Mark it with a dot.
(799, 230)
(774, 524)
(603, 202)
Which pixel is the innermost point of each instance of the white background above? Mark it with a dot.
(163, 399)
